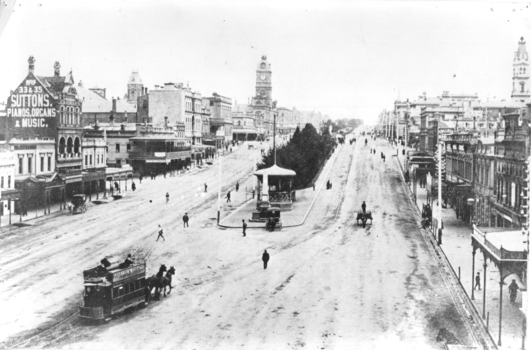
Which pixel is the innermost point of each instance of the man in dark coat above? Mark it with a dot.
(265, 258)
(160, 233)
(363, 206)
(185, 220)
(228, 197)
(244, 226)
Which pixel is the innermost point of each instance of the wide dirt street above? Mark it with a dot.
(330, 284)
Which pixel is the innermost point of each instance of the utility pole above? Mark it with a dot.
(219, 189)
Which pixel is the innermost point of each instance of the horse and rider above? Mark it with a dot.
(364, 215)
(160, 282)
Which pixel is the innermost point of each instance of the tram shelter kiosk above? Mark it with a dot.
(274, 188)
(507, 250)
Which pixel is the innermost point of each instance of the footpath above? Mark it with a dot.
(457, 250)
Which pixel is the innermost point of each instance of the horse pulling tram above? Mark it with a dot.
(111, 288)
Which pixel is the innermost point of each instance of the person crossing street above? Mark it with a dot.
(161, 232)
(244, 226)
(265, 258)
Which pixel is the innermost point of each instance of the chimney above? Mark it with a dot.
(56, 69)
(31, 67)
(424, 94)
(114, 105)
(156, 87)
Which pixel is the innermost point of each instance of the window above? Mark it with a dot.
(20, 165)
(128, 147)
(117, 148)
(90, 159)
(49, 163)
(42, 163)
(86, 159)
(2, 182)
(119, 162)
(29, 165)
(9, 181)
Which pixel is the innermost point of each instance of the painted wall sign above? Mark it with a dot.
(31, 111)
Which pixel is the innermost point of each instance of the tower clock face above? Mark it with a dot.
(263, 77)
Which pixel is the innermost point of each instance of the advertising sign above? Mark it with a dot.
(31, 111)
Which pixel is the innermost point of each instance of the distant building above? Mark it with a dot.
(220, 120)
(521, 74)
(135, 88)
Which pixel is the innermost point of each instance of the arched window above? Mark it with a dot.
(239, 123)
(76, 145)
(69, 145)
(62, 145)
(62, 115)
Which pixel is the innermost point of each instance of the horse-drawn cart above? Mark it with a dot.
(363, 217)
(79, 202)
(273, 221)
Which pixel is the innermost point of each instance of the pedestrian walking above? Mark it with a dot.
(185, 220)
(161, 231)
(244, 226)
(228, 197)
(363, 206)
(237, 186)
(140, 179)
(513, 290)
(167, 197)
(133, 186)
(478, 282)
(69, 207)
(265, 258)
(206, 187)
(313, 185)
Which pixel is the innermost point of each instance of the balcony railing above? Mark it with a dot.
(165, 155)
(281, 197)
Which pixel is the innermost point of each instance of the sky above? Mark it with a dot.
(347, 59)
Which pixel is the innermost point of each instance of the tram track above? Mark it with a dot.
(69, 325)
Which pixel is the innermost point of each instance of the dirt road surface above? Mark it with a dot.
(330, 283)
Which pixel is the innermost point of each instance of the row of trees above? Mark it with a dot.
(305, 154)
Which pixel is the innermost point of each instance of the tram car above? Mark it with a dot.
(111, 288)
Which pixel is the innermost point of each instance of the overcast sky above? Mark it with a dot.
(344, 58)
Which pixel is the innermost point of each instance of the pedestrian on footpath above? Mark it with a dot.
(244, 226)
(513, 291)
(478, 282)
(133, 187)
(228, 197)
(185, 220)
(161, 231)
(167, 197)
(313, 185)
(237, 186)
(206, 187)
(140, 179)
(265, 258)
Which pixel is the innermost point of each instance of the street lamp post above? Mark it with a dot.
(439, 194)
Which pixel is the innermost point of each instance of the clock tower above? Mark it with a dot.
(521, 75)
(263, 83)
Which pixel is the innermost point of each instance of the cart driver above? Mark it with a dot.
(363, 207)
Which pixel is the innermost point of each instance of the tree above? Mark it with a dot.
(306, 154)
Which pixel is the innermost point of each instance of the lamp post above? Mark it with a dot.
(439, 195)
(219, 189)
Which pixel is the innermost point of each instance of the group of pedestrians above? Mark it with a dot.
(160, 231)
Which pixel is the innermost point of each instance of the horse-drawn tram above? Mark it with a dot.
(112, 288)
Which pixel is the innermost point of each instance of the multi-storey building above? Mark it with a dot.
(220, 121)
(244, 126)
(8, 194)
